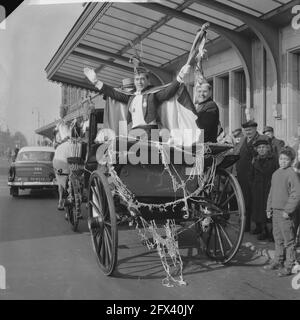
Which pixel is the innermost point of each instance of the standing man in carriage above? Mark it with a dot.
(142, 105)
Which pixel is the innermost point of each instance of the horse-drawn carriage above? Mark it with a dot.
(165, 193)
(160, 186)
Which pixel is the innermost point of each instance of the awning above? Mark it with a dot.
(163, 32)
(47, 130)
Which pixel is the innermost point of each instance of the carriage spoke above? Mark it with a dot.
(234, 226)
(226, 236)
(95, 207)
(220, 240)
(96, 195)
(227, 200)
(107, 245)
(104, 203)
(223, 191)
(234, 212)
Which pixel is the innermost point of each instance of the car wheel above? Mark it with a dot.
(14, 191)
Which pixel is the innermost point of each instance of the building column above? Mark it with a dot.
(234, 103)
(292, 111)
(217, 97)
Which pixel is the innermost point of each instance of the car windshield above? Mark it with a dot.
(35, 156)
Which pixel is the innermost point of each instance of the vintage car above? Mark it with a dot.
(32, 169)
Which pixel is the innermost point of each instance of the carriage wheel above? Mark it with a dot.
(73, 207)
(225, 232)
(103, 222)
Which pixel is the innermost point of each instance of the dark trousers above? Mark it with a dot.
(284, 237)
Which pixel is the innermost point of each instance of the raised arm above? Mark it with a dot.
(104, 88)
(170, 91)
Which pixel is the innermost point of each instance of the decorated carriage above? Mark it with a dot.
(161, 185)
(182, 188)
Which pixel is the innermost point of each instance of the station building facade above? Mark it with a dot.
(254, 82)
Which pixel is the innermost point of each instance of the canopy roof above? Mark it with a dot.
(161, 31)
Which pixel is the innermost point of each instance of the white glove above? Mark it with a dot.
(90, 74)
(185, 70)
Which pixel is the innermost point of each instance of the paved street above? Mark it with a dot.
(44, 259)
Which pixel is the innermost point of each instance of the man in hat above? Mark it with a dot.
(142, 105)
(276, 144)
(237, 135)
(128, 85)
(247, 152)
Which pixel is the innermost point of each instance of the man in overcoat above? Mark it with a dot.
(247, 152)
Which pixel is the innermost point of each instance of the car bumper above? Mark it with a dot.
(32, 184)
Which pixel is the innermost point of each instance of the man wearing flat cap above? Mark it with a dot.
(276, 144)
(247, 152)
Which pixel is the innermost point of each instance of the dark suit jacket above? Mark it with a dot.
(151, 101)
(208, 119)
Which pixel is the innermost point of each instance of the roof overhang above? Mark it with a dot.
(101, 36)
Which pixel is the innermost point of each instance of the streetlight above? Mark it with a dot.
(38, 119)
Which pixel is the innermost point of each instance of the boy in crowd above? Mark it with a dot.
(283, 200)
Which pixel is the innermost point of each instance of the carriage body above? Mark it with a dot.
(220, 202)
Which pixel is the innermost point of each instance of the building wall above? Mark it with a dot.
(224, 70)
(290, 51)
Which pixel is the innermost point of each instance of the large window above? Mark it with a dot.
(225, 102)
(241, 82)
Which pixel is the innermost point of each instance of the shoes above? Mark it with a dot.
(273, 266)
(284, 272)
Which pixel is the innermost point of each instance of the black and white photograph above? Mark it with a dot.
(150, 151)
